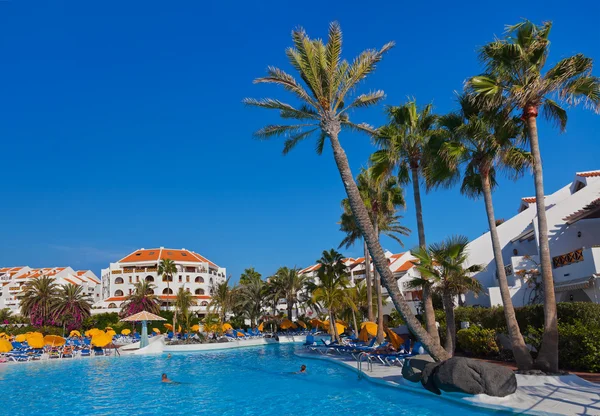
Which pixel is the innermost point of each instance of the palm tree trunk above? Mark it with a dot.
(333, 327)
(366, 227)
(380, 333)
(427, 300)
(174, 321)
(355, 324)
(290, 309)
(547, 359)
(450, 324)
(520, 351)
(368, 282)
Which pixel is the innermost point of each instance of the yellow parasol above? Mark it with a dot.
(178, 328)
(75, 333)
(126, 332)
(287, 324)
(35, 341)
(101, 339)
(156, 330)
(339, 327)
(169, 327)
(3, 335)
(21, 338)
(54, 340)
(195, 328)
(5, 346)
(111, 333)
(92, 332)
(261, 327)
(227, 326)
(395, 339)
(302, 324)
(316, 323)
(108, 328)
(240, 334)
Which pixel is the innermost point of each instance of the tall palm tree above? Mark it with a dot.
(5, 315)
(514, 73)
(141, 299)
(404, 143)
(443, 263)
(331, 291)
(222, 298)
(71, 306)
(37, 300)
(273, 293)
(250, 298)
(291, 283)
(249, 275)
(166, 269)
(184, 301)
(483, 143)
(325, 102)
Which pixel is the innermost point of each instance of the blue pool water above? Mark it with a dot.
(249, 381)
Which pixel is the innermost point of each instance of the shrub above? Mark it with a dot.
(477, 341)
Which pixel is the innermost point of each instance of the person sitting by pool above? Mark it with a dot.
(384, 349)
(302, 369)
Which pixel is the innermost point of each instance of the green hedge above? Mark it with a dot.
(478, 341)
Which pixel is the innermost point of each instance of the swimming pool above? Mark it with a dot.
(250, 381)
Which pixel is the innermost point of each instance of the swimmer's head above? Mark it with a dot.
(303, 368)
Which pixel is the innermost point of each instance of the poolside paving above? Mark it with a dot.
(536, 395)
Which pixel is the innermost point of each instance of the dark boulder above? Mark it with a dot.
(413, 367)
(465, 375)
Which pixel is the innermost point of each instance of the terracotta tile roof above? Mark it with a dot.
(156, 254)
(72, 281)
(398, 255)
(405, 267)
(358, 261)
(590, 174)
(115, 299)
(529, 199)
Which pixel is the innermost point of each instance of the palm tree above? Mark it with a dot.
(141, 299)
(515, 74)
(484, 142)
(71, 306)
(37, 300)
(324, 111)
(222, 298)
(249, 275)
(183, 303)
(404, 143)
(5, 315)
(331, 289)
(273, 293)
(291, 284)
(443, 264)
(250, 298)
(166, 269)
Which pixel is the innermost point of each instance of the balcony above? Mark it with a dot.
(578, 264)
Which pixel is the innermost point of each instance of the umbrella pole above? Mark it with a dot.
(144, 337)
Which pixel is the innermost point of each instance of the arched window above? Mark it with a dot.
(119, 281)
(112, 305)
(168, 291)
(151, 291)
(199, 292)
(199, 279)
(204, 303)
(118, 292)
(149, 279)
(211, 281)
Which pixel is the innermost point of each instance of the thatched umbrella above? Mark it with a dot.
(144, 317)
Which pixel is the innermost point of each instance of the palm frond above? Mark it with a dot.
(553, 112)
(290, 143)
(274, 130)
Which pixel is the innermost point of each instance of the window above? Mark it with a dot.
(118, 292)
(151, 253)
(151, 291)
(167, 291)
(199, 280)
(204, 303)
(130, 279)
(119, 281)
(137, 279)
(180, 277)
(187, 289)
(210, 281)
(149, 279)
(199, 292)
(187, 279)
(112, 305)
(184, 254)
(166, 278)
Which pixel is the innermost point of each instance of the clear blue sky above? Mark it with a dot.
(122, 125)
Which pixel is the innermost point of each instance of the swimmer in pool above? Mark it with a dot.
(164, 379)
(169, 356)
(302, 369)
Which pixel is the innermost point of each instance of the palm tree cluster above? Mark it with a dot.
(47, 303)
(494, 129)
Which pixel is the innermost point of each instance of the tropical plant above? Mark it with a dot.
(514, 74)
(5, 315)
(37, 299)
(184, 301)
(291, 284)
(71, 306)
(332, 288)
(443, 264)
(141, 299)
(249, 275)
(325, 103)
(222, 298)
(249, 299)
(483, 142)
(404, 143)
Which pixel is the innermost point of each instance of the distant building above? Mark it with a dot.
(13, 280)
(195, 274)
(573, 214)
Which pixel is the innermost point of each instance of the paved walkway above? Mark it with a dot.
(592, 377)
(536, 395)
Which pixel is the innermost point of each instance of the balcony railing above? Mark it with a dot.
(117, 271)
(566, 259)
(508, 269)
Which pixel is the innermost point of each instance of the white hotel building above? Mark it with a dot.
(195, 274)
(13, 280)
(573, 214)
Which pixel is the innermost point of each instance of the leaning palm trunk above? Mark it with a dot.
(368, 282)
(355, 323)
(547, 359)
(520, 351)
(380, 334)
(332, 129)
(333, 327)
(427, 301)
(450, 324)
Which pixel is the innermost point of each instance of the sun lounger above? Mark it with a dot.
(98, 351)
